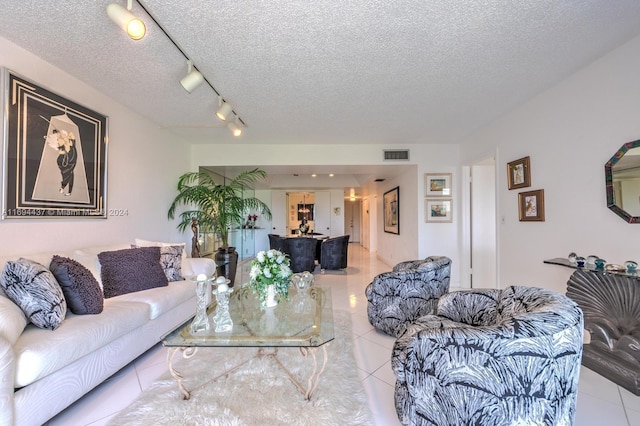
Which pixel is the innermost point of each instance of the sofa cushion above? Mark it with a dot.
(146, 243)
(162, 299)
(88, 257)
(80, 288)
(13, 319)
(34, 288)
(40, 353)
(129, 270)
(170, 261)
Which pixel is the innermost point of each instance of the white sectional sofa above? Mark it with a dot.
(43, 371)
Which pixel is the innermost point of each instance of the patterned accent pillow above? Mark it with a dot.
(80, 288)
(33, 287)
(170, 261)
(130, 270)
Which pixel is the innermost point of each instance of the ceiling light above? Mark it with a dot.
(235, 129)
(314, 175)
(193, 79)
(123, 18)
(330, 174)
(224, 110)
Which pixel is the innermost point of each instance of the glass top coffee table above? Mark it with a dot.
(304, 321)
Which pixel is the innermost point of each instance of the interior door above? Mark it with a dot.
(483, 225)
(322, 214)
(278, 213)
(352, 220)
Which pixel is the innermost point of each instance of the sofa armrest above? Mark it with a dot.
(194, 266)
(7, 380)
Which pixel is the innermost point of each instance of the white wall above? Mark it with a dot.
(144, 162)
(569, 132)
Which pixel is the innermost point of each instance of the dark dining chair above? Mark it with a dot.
(333, 253)
(276, 242)
(302, 253)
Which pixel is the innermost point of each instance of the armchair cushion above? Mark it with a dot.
(520, 368)
(411, 290)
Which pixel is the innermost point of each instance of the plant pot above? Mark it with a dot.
(226, 263)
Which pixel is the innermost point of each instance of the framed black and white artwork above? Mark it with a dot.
(391, 211)
(55, 154)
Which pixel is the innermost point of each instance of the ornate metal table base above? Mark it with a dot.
(307, 392)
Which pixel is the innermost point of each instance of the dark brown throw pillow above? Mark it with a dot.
(130, 270)
(81, 290)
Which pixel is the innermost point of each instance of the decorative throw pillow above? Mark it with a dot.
(146, 243)
(81, 290)
(130, 270)
(170, 261)
(33, 287)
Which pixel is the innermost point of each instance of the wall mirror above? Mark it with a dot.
(622, 181)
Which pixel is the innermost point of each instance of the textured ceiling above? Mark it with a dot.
(327, 71)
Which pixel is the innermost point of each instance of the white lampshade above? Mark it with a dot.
(224, 111)
(192, 80)
(235, 129)
(133, 26)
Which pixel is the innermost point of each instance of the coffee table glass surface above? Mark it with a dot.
(305, 320)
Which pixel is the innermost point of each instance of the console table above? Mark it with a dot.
(610, 301)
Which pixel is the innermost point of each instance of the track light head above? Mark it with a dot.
(123, 18)
(224, 111)
(235, 129)
(193, 79)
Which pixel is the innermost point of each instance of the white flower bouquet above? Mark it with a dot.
(270, 267)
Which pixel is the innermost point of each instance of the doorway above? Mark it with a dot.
(480, 221)
(352, 219)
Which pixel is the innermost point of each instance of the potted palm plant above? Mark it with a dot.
(218, 207)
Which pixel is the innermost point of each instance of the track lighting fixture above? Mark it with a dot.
(235, 129)
(133, 26)
(224, 110)
(193, 79)
(136, 29)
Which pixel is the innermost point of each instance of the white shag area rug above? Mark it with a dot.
(258, 393)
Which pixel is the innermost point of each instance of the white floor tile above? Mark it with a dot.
(594, 384)
(593, 411)
(381, 402)
(385, 373)
(380, 338)
(370, 356)
(633, 417)
(630, 401)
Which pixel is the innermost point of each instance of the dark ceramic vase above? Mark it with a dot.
(226, 263)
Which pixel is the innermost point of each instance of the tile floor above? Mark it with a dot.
(600, 401)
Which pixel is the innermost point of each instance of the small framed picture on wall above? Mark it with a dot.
(437, 185)
(519, 173)
(531, 205)
(438, 210)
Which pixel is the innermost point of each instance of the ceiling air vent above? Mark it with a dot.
(379, 180)
(396, 154)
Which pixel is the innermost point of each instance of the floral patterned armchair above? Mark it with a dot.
(409, 291)
(491, 357)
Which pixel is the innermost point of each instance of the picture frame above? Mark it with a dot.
(55, 154)
(391, 211)
(531, 206)
(438, 210)
(437, 185)
(519, 173)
